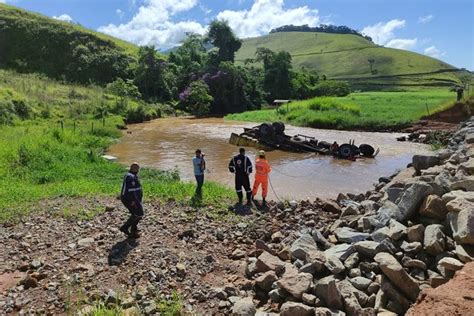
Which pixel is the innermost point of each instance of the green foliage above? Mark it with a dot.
(221, 36)
(368, 110)
(196, 99)
(85, 56)
(171, 307)
(277, 73)
(331, 88)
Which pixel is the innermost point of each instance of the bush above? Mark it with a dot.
(331, 88)
(196, 99)
(6, 112)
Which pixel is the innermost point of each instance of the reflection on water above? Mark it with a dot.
(171, 142)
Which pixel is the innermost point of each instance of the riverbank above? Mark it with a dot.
(367, 111)
(365, 253)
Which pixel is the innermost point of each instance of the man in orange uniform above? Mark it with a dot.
(261, 176)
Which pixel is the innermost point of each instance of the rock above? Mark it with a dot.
(380, 234)
(300, 248)
(395, 272)
(131, 311)
(421, 162)
(462, 226)
(324, 311)
(412, 247)
(296, 309)
(327, 290)
(414, 263)
(341, 251)
(450, 264)
(349, 297)
(334, 265)
(319, 238)
(267, 261)
(316, 259)
(309, 299)
(465, 253)
(360, 283)
(85, 242)
(466, 184)
(434, 241)
(387, 211)
(349, 235)
(29, 282)
(467, 167)
(266, 280)
(349, 210)
(410, 201)
(36, 264)
(469, 138)
(112, 297)
(416, 233)
(277, 237)
(469, 196)
(402, 304)
(367, 248)
(276, 295)
(109, 208)
(459, 204)
(244, 307)
(296, 284)
(352, 261)
(396, 230)
(181, 270)
(331, 206)
(238, 254)
(433, 207)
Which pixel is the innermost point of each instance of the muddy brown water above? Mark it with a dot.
(170, 143)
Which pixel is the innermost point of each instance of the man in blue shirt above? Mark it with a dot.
(241, 166)
(199, 166)
(131, 196)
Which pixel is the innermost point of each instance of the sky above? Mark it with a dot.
(442, 29)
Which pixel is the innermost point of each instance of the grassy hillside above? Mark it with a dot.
(367, 110)
(32, 43)
(344, 56)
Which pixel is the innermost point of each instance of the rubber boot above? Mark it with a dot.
(264, 203)
(249, 198)
(241, 197)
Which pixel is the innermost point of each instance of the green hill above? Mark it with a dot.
(32, 42)
(346, 56)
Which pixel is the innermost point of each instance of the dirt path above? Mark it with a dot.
(66, 264)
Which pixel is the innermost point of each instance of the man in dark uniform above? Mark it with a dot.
(241, 166)
(131, 196)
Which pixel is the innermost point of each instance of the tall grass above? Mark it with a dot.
(368, 110)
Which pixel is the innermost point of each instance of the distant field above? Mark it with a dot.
(365, 110)
(345, 56)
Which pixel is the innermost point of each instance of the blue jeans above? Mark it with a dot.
(200, 182)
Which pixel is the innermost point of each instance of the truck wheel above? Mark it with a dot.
(366, 150)
(345, 151)
(278, 127)
(266, 130)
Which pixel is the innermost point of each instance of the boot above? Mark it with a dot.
(264, 203)
(241, 197)
(124, 229)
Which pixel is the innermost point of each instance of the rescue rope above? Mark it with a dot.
(273, 189)
(292, 176)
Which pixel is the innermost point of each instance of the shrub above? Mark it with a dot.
(331, 88)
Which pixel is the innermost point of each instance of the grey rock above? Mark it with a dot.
(402, 303)
(360, 283)
(462, 226)
(465, 252)
(296, 284)
(266, 280)
(411, 199)
(349, 235)
(324, 311)
(469, 196)
(433, 206)
(450, 264)
(465, 184)
(387, 211)
(341, 251)
(412, 247)
(244, 307)
(350, 296)
(85, 242)
(267, 261)
(414, 263)
(435, 240)
(334, 265)
(327, 290)
(380, 234)
(367, 248)
(352, 260)
(309, 299)
(300, 248)
(321, 240)
(421, 162)
(458, 205)
(395, 272)
(276, 295)
(296, 309)
(396, 230)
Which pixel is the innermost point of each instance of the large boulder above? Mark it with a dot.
(465, 184)
(421, 162)
(326, 289)
(467, 167)
(334, 265)
(302, 246)
(266, 280)
(367, 248)
(399, 277)
(465, 252)
(416, 233)
(296, 284)
(411, 199)
(462, 225)
(350, 298)
(349, 235)
(469, 196)
(331, 206)
(296, 309)
(435, 240)
(459, 204)
(433, 207)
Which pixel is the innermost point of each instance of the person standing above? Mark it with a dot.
(262, 170)
(131, 197)
(199, 166)
(241, 166)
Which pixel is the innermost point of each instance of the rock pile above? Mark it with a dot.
(412, 232)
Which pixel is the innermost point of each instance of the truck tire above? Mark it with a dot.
(266, 130)
(323, 144)
(345, 151)
(279, 128)
(366, 150)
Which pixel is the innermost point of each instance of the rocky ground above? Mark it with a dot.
(364, 254)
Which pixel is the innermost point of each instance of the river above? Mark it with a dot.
(170, 143)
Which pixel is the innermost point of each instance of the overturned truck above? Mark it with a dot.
(271, 136)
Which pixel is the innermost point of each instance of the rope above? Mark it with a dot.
(273, 189)
(292, 176)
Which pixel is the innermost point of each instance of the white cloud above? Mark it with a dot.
(63, 17)
(119, 13)
(425, 19)
(382, 33)
(153, 24)
(434, 52)
(402, 43)
(205, 9)
(265, 15)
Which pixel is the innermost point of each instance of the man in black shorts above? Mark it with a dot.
(241, 166)
(131, 196)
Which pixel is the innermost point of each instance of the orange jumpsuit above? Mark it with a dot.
(261, 176)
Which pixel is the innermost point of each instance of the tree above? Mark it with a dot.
(195, 99)
(152, 76)
(277, 73)
(221, 36)
(124, 89)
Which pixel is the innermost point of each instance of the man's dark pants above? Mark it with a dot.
(242, 180)
(136, 214)
(200, 182)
